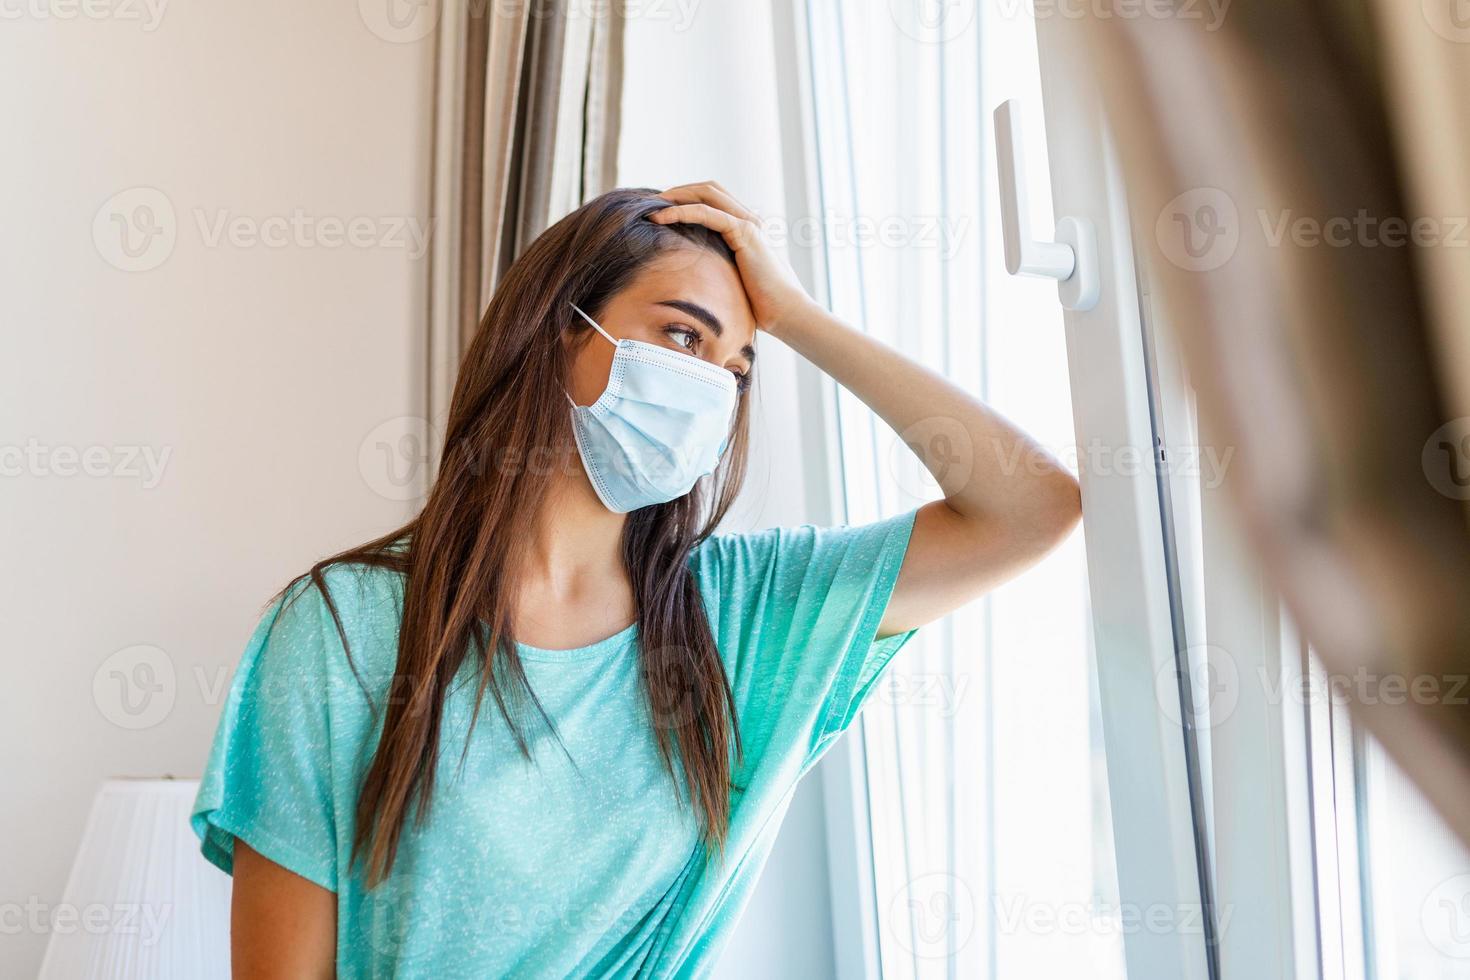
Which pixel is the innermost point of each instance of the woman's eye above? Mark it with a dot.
(688, 339)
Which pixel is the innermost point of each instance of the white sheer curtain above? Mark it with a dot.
(987, 783)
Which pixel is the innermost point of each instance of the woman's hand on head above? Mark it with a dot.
(775, 294)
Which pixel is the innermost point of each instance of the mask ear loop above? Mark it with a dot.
(596, 326)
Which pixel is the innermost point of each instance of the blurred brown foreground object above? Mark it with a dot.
(1321, 153)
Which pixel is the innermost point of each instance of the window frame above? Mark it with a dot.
(1134, 594)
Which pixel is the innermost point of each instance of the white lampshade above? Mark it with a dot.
(141, 900)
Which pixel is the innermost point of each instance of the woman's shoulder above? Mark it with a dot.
(744, 545)
(738, 553)
(332, 622)
(735, 567)
(789, 558)
(358, 593)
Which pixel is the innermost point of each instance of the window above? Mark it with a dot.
(1417, 920)
(986, 783)
(1333, 766)
(1126, 762)
(1419, 880)
(1325, 861)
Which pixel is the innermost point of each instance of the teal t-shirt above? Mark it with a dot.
(548, 869)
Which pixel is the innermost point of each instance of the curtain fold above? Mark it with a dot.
(526, 124)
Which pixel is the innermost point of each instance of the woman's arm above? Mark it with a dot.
(1007, 501)
(282, 927)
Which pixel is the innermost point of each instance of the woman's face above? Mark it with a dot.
(689, 300)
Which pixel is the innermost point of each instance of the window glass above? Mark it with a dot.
(1418, 881)
(987, 780)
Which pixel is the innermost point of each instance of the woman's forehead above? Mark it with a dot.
(702, 278)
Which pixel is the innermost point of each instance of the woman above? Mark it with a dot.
(551, 725)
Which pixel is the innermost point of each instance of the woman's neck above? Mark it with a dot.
(573, 587)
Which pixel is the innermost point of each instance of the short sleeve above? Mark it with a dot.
(801, 607)
(269, 777)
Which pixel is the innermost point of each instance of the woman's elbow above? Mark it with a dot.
(1057, 511)
(1069, 509)
(1022, 532)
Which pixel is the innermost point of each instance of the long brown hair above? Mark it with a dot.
(507, 430)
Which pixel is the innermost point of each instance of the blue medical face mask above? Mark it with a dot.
(662, 423)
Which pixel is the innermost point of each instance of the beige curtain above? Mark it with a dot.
(1338, 369)
(525, 130)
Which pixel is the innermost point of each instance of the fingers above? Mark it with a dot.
(737, 231)
(710, 192)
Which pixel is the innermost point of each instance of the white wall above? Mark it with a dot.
(258, 370)
(700, 103)
(256, 375)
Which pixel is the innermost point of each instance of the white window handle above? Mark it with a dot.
(1072, 258)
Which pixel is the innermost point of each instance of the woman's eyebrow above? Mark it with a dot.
(707, 318)
(699, 313)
